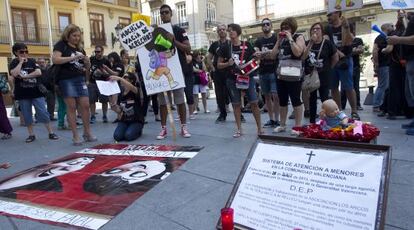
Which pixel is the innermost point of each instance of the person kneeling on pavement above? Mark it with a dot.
(130, 109)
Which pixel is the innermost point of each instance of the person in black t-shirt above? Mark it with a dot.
(98, 71)
(267, 73)
(408, 54)
(323, 59)
(50, 86)
(218, 76)
(357, 51)
(338, 31)
(69, 54)
(130, 109)
(231, 57)
(26, 76)
(381, 65)
(289, 46)
(180, 40)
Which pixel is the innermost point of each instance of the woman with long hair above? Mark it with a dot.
(68, 53)
(323, 59)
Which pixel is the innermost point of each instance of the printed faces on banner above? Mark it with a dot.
(397, 4)
(135, 35)
(159, 62)
(342, 5)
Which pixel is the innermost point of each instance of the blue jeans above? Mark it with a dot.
(383, 83)
(39, 103)
(235, 93)
(268, 83)
(409, 83)
(128, 131)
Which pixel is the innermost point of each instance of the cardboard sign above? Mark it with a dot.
(135, 35)
(145, 18)
(159, 62)
(294, 183)
(86, 189)
(397, 4)
(343, 5)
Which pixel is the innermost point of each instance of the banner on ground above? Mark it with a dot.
(291, 183)
(159, 62)
(86, 189)
(343, 5)
(397, 4)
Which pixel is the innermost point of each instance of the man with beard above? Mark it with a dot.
(219, 76)
(267, 73)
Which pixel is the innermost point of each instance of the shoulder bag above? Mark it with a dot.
(290, 69)
(311, 81)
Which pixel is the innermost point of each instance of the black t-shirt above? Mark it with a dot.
(285, 51)
(383, 59)
(131, 108)
(213, 49)
(198, 65)
(181, 35)
(119, 68)
(408, 50)
(228, 51)
(356, 58)
(97, 64)
(71, 69)
(335, 35)
(26, 88)
(265, 44)
(323, 64)
(397, 52)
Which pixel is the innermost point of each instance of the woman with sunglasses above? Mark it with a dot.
(130, 109)
(26, 73)
(69, 54)
(323, 59)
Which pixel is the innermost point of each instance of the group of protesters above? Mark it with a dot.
(333, 51)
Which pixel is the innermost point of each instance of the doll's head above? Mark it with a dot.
(330, 108)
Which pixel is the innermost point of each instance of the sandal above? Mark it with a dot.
(30, 139)
(355, 116)
(89, 138)
(237, 134)
(76, 142)
(6, 136)
(53, 136)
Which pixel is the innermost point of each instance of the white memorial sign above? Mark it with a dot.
(288, 187)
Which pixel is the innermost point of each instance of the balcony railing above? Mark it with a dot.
(38, 35)
(127, 3)
(211, 24)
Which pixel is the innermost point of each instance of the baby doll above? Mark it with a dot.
(331, 117)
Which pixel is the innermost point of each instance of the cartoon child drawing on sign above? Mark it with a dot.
(161, 49)
(348, 3)
(399, 3)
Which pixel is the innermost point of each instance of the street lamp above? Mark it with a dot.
(115, 37)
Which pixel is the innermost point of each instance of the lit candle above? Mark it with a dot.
(227, 219)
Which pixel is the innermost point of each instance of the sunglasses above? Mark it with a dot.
(266, 24)
(164, 12)
(23, 51)
(98, 51)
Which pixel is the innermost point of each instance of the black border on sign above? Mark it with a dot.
(326, 144)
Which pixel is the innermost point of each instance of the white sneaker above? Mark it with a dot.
(294, 133)
(184, 132)
(192, 117)
(163, 134)
(279, 129)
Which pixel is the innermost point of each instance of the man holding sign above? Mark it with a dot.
(182, 43)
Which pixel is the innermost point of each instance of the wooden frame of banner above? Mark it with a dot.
(335, 145)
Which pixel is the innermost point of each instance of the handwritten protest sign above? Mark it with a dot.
(135, 35)
(397, 4)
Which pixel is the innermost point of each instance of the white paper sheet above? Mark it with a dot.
(108, 88)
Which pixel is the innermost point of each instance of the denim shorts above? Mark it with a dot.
(235, 93)
(39, 103)
(344, 76)
(268, 83)
(74, 87)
